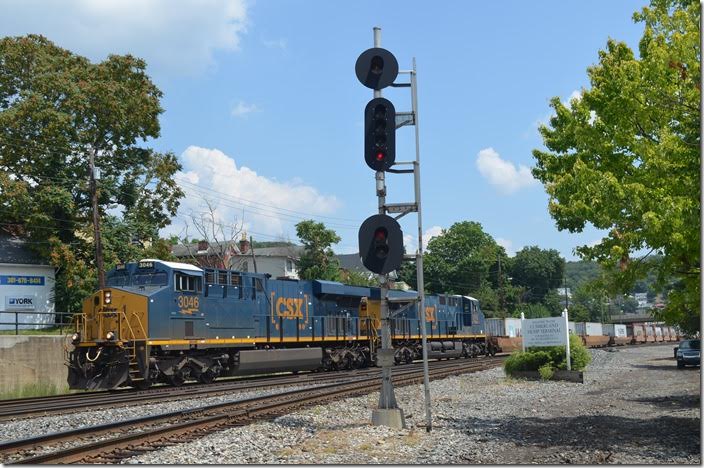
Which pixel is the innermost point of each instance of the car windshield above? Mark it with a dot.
(691, 344)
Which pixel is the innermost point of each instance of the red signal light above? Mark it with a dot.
(380, 156)
(380, 234)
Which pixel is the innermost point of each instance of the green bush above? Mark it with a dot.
(552, 357)
(546, 371)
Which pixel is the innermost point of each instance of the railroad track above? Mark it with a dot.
(70, 403)
(59, 404)
(128, 438)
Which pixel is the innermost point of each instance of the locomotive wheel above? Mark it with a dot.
(142, 384)
(177, 379)
(206, 377)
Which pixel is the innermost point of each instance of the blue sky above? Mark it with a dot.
(264, 110)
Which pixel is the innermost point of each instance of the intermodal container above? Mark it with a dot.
(510, 327)
(594, 329)
(620, 330)
(608, 329)
(580, 328)
(571, 328)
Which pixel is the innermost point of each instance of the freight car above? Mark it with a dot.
(169, 322)
(505, 334)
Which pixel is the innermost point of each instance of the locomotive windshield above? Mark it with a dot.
(155, 278)
(118, 278)
(122, 278)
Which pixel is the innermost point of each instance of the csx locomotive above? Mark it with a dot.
(159, 321)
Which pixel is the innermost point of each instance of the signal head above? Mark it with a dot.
(376, 68)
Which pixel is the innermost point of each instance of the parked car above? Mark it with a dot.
(689, 353)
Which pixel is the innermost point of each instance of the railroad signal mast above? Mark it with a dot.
(380, 236)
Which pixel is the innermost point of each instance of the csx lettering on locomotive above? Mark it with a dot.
(289, 307)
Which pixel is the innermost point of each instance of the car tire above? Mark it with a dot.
(680, 365)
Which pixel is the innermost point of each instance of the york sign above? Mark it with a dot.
(19, 302)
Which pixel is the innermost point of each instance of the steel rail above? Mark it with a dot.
(235, 413)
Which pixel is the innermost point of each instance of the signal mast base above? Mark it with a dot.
(389, 417)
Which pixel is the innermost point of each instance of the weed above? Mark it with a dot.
(39, 389)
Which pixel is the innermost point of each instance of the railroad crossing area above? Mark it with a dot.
(634, 407)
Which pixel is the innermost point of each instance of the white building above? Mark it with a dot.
(279, 262)
(26, 287)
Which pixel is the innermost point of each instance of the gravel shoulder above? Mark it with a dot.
(634, 407)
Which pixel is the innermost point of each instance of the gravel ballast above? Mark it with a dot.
(634, 407)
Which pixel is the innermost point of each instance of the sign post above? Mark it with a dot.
(567, 339)
(550, 331)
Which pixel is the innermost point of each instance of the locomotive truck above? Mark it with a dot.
(166, 322)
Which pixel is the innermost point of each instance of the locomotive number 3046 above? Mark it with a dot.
(188, 304)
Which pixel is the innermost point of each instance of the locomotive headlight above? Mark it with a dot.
(107, 297)
(75, 338)
(110, 336)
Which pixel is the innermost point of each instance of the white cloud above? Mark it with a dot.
(411, 242)
(575, 95)
(270, 207)
(172, 36)
(242, 109)
(507, 245)
(503, 174)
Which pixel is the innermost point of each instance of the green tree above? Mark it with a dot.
(56, 109)
(464, 260)
(625, 157)
(358, 278)
(317, 260)
(537, 270)
(589, 303)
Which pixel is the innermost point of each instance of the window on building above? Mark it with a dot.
(289, 265)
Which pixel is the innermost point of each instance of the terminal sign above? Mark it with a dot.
(544, 332)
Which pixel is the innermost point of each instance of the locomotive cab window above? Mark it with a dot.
(187, 283)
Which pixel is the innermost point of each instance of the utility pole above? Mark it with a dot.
(96, 220)
(501, 289)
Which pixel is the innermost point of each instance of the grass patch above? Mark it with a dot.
(35, 390)
(43, 331)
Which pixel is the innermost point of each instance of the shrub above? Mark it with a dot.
(549, 357)
(546, 371)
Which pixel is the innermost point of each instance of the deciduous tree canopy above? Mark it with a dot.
(56, 108)
(625, 157)
(318, 260)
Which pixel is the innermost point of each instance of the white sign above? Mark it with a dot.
(20, 302)
(544, 332)
(620, 330)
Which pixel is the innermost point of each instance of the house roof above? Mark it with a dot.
(351, 262)
(14, 250)
(187, 250)
(291, 251)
